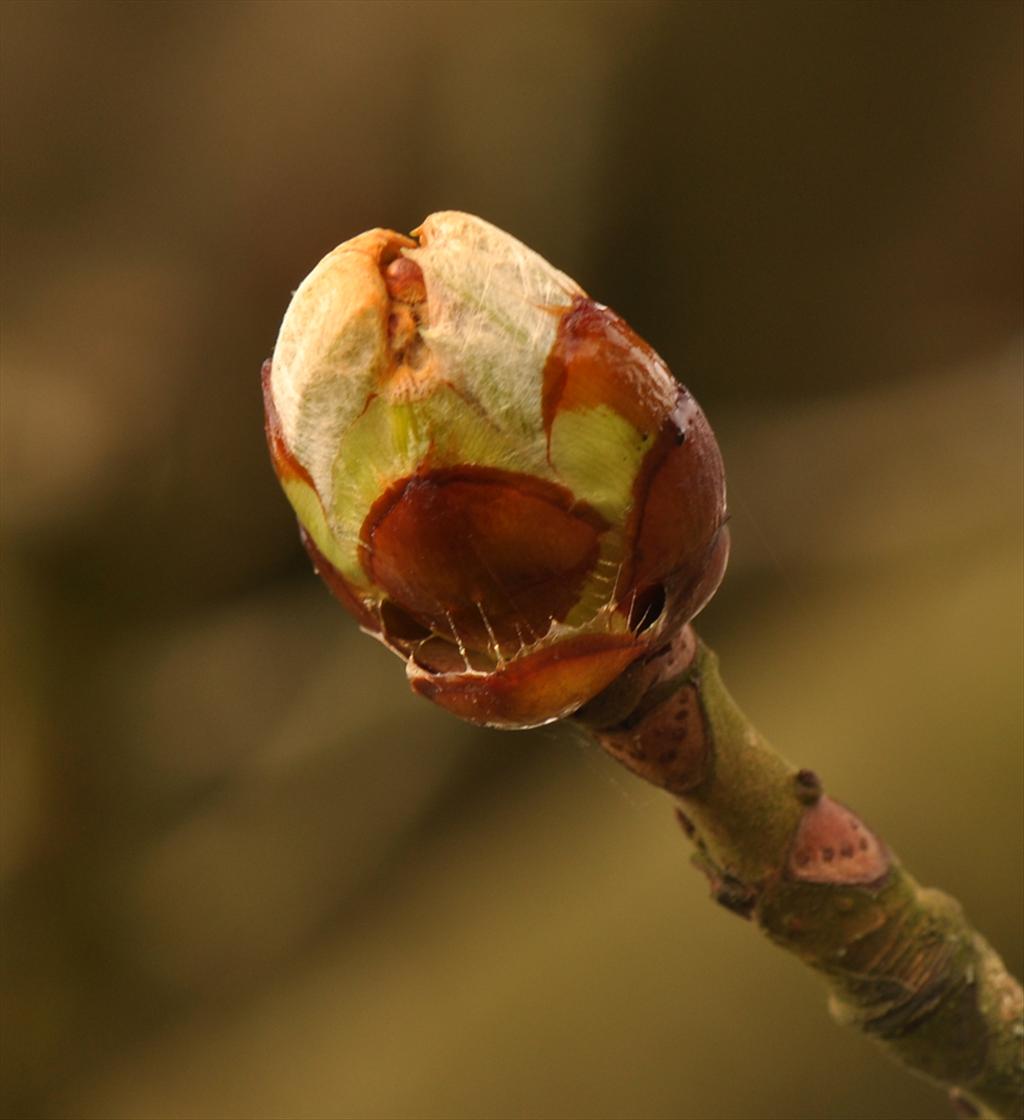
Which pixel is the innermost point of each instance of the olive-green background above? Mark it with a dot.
(244, 872)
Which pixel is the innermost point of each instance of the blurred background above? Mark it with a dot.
(244, 872)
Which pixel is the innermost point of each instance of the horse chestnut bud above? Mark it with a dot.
(491, 471)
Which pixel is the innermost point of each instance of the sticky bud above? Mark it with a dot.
(491, 471)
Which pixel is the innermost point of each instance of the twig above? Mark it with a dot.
(901, 961)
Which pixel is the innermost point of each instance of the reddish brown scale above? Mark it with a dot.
(679, 500)
(538, 687)
(669, 747)
(674, 533)
(285, 463)
(449, 548)
(598, 359)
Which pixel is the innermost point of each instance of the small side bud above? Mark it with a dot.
(808, 786)
(492, 472)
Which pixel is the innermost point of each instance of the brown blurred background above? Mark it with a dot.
(244, 872)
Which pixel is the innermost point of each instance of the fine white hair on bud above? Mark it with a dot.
(492, 472)
(490, 326)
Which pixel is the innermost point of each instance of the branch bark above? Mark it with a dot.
(902, 962)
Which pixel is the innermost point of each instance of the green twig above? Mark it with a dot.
(902, 962)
